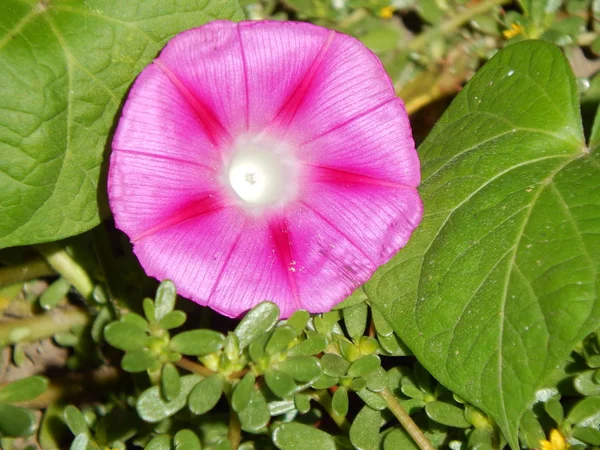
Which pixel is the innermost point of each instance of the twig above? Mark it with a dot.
(65, 265)
(406, 421)
(235, 430)
(29, 270)
(586, 39)
(43, 325)
(234, 433)
(193, 367)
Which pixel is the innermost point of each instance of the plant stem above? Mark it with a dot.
(586, 39)
(235, 429)
(112, 276)
(324, 399)
(406, 421)
(193, 367)
(65, 265)
(26, 271)
(451, 25)
(43, 325)
(234, 433)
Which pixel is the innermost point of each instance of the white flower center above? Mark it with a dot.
(263, 172)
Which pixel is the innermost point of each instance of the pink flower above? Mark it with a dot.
(264, 161)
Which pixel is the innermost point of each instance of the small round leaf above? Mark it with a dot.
(308, 347)
(172, 320)
(242, 392)
(197, 342)
(125, 336)
(255, 416)
(302, 403)
(364, 365)
(297, 436)
(339, 401)
(186, 440)
(364, 431)
(446, 414)
(161, 442)
(165, 299)
(75, 420)
(334, 365)
(280, 339)
(138, 360)
(152, 407)
(355, 319)
(16, 421)
(23, 390)
(206, 394)
(54, 293)
(170, 382)
(301, 368)
(281, 384)
(257, 321)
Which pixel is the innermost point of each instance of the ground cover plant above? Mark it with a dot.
(481, 332)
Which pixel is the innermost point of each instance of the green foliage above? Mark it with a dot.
(510, 188)
(296, 436)
(153, 407)
(55, 123)
(16, 420)
(495, 289)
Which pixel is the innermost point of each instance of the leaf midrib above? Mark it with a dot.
(16, 30)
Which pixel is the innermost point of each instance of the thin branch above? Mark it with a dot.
(406, 421)
(45, 325)
(65, 265)
(194, 367)
(29, 270)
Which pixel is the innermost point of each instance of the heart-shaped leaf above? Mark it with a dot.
(501, 279)
(66, 67)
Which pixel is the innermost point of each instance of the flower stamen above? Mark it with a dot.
(262, 172)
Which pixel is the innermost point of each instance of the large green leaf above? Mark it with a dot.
(65, 68)
(501, 279)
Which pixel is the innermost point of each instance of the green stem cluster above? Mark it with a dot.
(36, 268)
(64, 264)
(406, 421)
(43, 325)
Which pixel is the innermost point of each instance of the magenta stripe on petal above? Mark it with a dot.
(264, 161)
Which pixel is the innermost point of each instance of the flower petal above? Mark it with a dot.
(278, 57)
(377, 143)
(254, 273)
(149, 192)
(377, 219)
(243, 72)
(349, 81)
(158, 121)
(192, 253)
(208, 62)
(326, 266)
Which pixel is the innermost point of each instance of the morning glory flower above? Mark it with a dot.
(264, 161)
